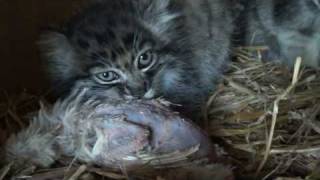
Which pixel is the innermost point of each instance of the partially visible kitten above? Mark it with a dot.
(174, 49)
(290, 28)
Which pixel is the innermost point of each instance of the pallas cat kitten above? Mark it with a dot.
(173, 49)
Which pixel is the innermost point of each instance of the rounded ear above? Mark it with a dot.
(59, 55)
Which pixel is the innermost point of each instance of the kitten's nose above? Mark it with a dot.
(137, 88)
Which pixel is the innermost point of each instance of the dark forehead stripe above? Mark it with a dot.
(105, 36)
(118, 49)
(111, 33)
(128, 39)
(126, 65)
(94, 56)
(86, 33)
(82, 43)
(99, 54)
(100, 57)
(116, 43)
(100, 62)
(113, 56)
(103, 54)
(101, 38)
(123, 61)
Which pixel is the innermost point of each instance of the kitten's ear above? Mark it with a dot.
(59, 55)
(160, 15)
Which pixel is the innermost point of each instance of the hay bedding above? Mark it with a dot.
(268, 117)
(265, 115)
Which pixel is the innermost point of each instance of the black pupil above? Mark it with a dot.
(108, 76)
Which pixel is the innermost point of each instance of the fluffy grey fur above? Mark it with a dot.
(290, 28)
(34, 145)
(50, 134)
(187, 41)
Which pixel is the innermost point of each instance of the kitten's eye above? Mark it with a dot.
(107, 77)
(145, 60)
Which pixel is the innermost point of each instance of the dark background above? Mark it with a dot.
(21, 22)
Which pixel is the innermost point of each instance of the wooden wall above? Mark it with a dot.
(21, 22)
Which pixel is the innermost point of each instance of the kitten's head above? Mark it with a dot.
(120, 48)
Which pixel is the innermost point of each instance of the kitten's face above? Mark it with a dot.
(123, 61)
(115, 49)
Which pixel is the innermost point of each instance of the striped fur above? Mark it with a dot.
(190, 41)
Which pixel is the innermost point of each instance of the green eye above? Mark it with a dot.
(107, 77)
(145, 61)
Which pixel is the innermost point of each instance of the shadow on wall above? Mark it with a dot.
(21, 22)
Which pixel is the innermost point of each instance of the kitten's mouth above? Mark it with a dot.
(150, 94)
